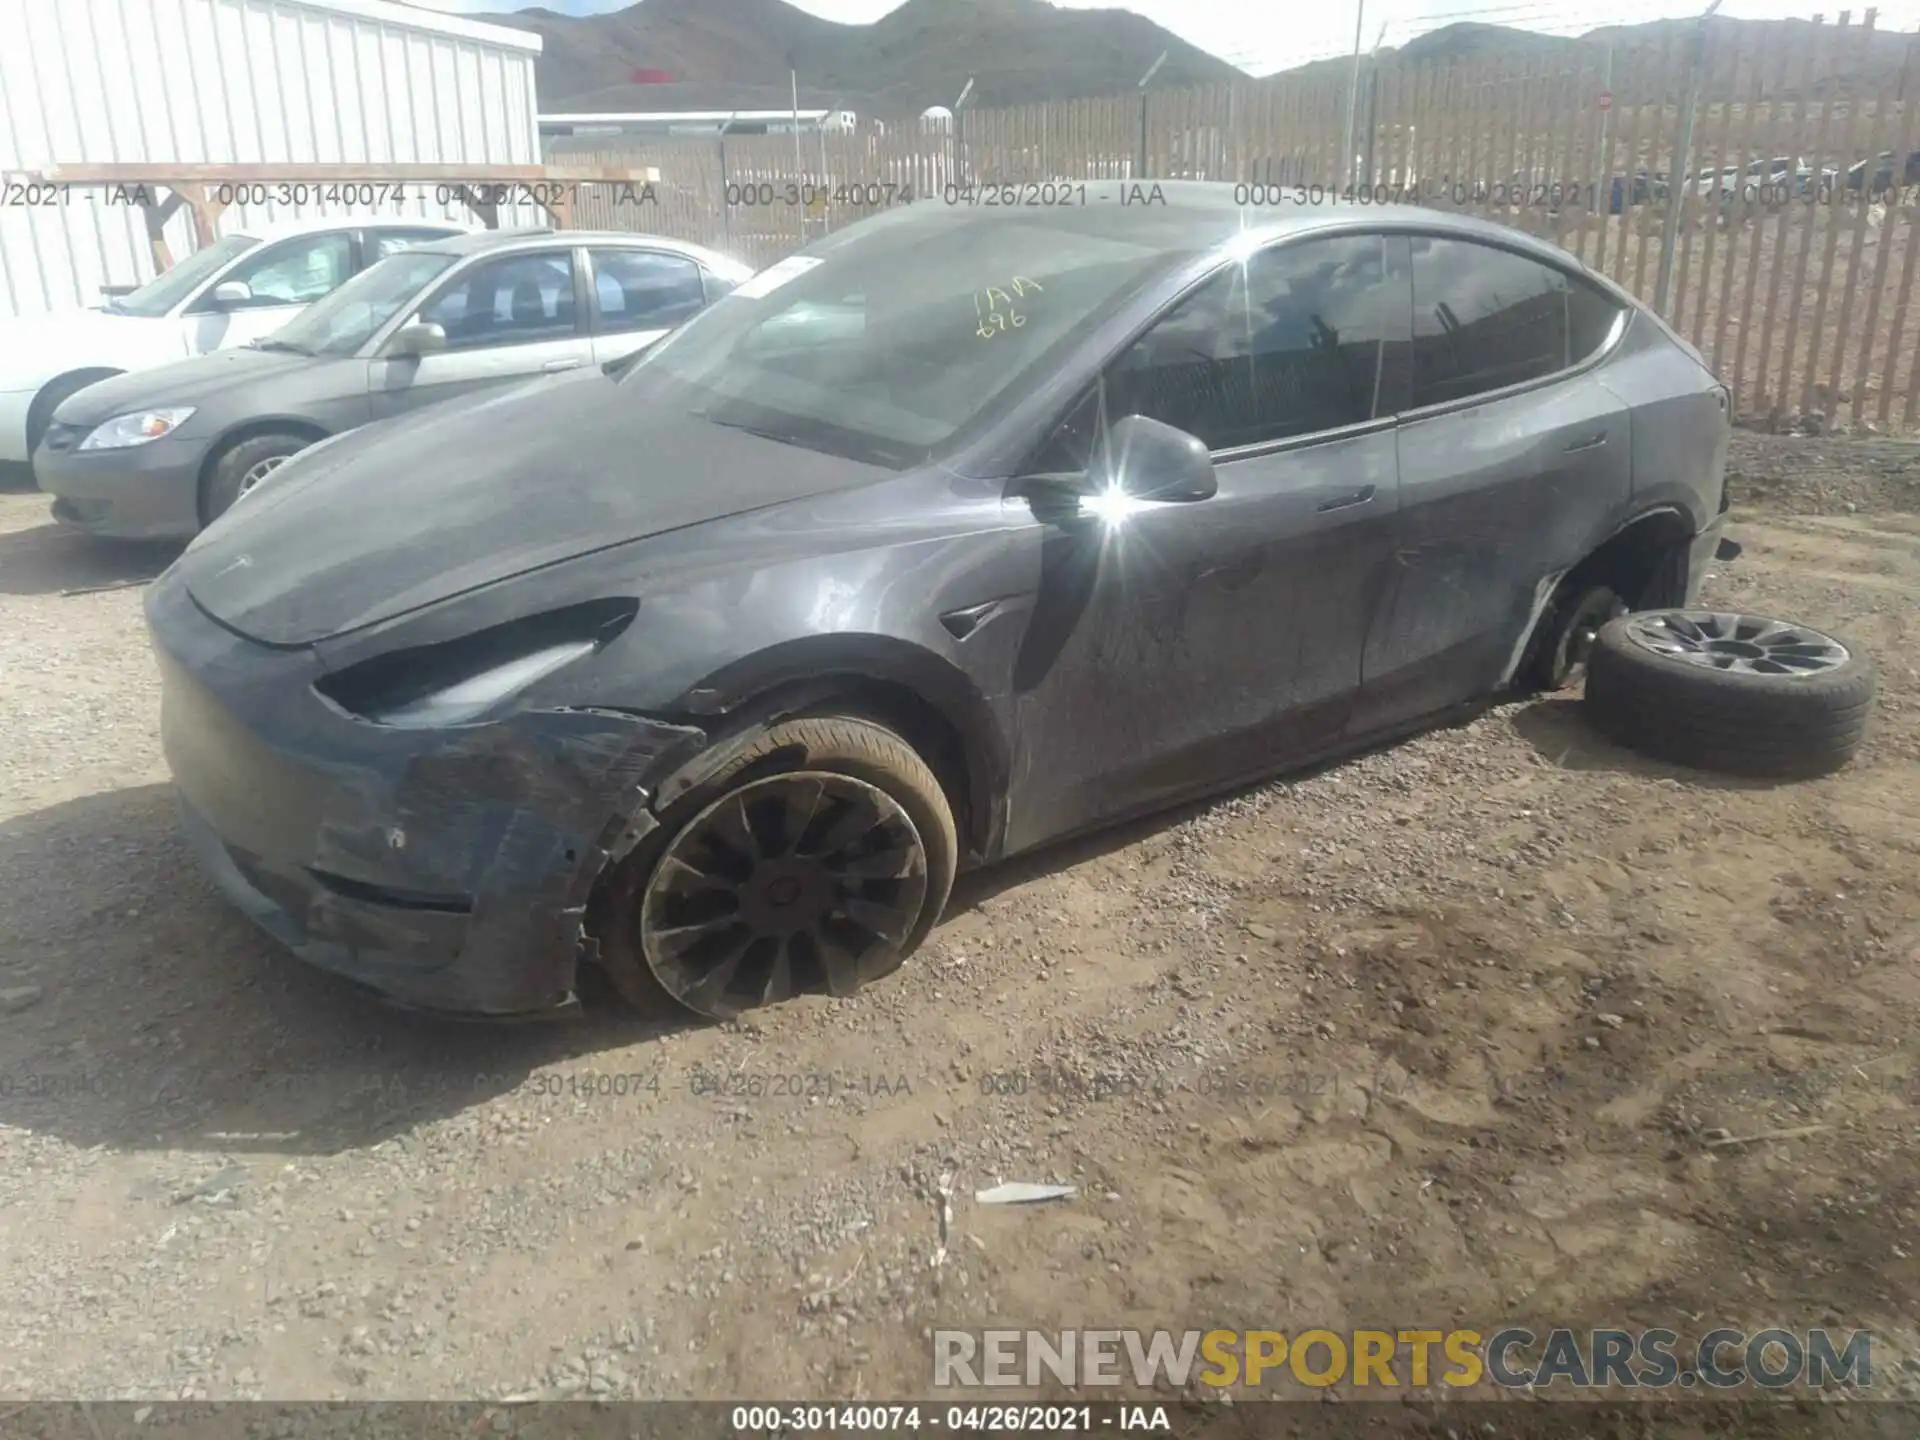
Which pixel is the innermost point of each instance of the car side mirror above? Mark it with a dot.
(421, 338)
(231, 294)
(1147, 459)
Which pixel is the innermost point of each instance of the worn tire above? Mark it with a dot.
(845, 744)
(228, 473)
(1782, 726)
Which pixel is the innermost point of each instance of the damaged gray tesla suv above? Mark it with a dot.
(965, 529)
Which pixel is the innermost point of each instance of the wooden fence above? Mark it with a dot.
(1645, 162)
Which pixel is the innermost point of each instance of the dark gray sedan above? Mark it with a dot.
(965, 529)
(159, 453)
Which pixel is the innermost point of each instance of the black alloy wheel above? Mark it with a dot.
(814, 859)
(799, 881)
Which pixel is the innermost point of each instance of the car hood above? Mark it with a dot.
(33, 347)
(402, 514)
(184, 382)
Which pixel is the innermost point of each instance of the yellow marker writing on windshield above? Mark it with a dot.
(993, 319)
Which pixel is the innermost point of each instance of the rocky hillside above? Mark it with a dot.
(727, 53)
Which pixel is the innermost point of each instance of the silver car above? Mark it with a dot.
(159, 454)
(243, 286)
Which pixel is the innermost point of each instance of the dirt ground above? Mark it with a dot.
(1449, 1034)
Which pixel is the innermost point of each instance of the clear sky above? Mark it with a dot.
(1267, 35)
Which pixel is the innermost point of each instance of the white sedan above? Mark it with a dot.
(239, 288)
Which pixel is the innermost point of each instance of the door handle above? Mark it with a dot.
(1592, 442)
(554, 367)
(1347, 501)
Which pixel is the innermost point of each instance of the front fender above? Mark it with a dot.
(798, 674)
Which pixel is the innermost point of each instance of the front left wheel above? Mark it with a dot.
(243, 465)
(816, 860)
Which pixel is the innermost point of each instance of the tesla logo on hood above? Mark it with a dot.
(240, 564)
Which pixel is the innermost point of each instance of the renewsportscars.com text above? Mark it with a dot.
(1509, 1358)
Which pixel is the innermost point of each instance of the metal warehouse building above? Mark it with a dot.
(344, 82)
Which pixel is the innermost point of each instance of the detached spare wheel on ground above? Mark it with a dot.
(1744, 694)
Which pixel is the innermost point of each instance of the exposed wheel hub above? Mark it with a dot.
(1593, 610)
(805, 881)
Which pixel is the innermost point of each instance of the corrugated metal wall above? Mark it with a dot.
(236, 81)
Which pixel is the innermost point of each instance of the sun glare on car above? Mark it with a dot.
(1112, 506)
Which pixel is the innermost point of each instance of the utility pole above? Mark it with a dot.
(960, 173)
(1682, 178)
(1365, 176)
(1353, 88)
(1603, 161)
(1140, 172)
(798, 163)
(826, 177)
(726, 210)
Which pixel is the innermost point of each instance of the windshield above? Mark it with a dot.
(170, 287)
(340, 323)
(886, 342)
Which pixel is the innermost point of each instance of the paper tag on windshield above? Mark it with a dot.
(774, 276)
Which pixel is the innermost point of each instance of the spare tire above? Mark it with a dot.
(1744, 694)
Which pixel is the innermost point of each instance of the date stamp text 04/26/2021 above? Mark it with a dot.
(385, 193)
(966, 1419)
(815, 195)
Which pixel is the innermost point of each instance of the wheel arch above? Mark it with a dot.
(248, 429)
(40, 413)
(1635, 557)
(1642, 559)
(923, 696)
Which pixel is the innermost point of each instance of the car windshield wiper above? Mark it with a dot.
(616, 368)
(763, 433)
(285, 345)
(827, 439)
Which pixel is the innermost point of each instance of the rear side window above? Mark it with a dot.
(644, 289)
(1591, 316)
(1483, 319)
(1288, 344)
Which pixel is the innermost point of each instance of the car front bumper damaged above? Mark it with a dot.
(447, 870)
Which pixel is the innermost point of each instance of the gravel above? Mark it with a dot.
(1369, 1015)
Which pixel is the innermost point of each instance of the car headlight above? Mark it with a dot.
(457, 682)
(469, 699)
(136, 429)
